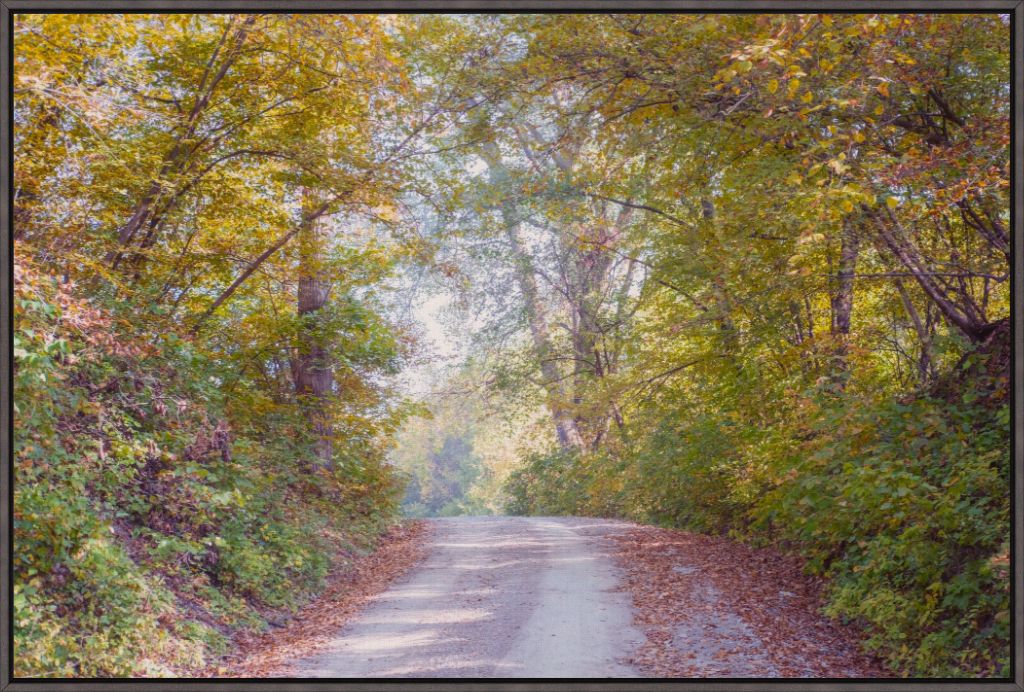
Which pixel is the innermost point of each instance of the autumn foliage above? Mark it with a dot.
(742, 274)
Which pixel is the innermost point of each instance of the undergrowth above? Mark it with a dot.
(155, 517)
(903, 503)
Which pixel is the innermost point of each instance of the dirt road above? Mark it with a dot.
(496, 597)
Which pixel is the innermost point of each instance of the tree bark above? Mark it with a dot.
(592, 265)
(976, 331)
(309, 216)
(314, 372)
(566, 431)
(842, 300)
(924, 363)
(723, 306)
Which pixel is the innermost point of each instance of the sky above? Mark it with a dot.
(442, 349)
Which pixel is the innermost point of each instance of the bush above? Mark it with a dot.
(902, 504)
(140, 517)
(905, 506)
(565, 483)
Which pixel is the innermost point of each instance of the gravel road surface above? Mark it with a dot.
(505, 597)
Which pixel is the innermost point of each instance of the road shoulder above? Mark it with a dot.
(716, 608)
(272, 653)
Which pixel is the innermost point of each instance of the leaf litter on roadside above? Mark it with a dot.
(713, 607)
(271, 653)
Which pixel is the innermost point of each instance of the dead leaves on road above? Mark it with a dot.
(270, 653)
(714, 608)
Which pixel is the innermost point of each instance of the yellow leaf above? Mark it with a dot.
(846, 205)
(807, 97)
(858, 137)
(773, 86)
(879, 109)
(892, 202)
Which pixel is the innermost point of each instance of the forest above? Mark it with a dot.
(746, 275)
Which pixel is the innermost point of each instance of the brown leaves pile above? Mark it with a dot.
(349, 589)
(668, 573)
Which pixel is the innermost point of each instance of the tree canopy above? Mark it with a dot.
(742, 273)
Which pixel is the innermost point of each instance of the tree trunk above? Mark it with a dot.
(842, 301)
(895, 240)
(723, 306)
(565, 428)
(924, 363)
(314, 373)
(591, 288)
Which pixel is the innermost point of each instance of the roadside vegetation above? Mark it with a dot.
(745, 275)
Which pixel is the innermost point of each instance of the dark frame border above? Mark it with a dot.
(1015, 8)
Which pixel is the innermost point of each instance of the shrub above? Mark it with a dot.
(140, 518)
